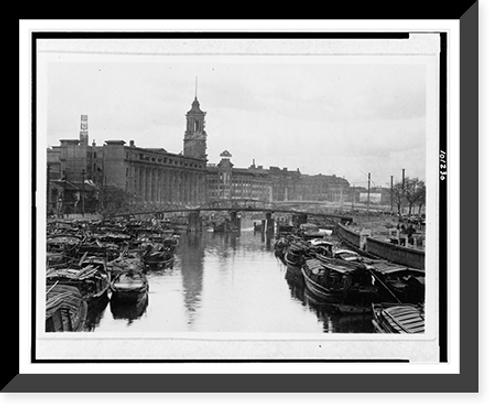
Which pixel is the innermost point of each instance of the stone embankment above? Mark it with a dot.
(386, 237)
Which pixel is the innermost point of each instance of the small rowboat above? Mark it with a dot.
(398, 318)
(157, 256)
(130, 286)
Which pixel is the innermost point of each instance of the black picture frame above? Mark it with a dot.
(466, 381)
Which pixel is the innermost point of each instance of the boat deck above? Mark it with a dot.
(404, 319)
(129, 283)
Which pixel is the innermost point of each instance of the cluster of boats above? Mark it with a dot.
(89, 262)
(350, 282)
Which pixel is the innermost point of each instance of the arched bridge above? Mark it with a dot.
(238, 206)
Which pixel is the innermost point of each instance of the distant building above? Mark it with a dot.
(285, 185)
(323, 188)
(195, 137)
(225, 182)
(149, 175)
(155, 177)
(69, 197)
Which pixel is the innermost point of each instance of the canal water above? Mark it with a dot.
(225, 283)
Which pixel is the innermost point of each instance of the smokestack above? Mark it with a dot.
(84, 130)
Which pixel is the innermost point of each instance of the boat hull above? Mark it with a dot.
(398, 318)
(129, 289)
(294, 269)
(66, 310)
(328, 295)
(342, 294)
(128, 295)
(157, 263)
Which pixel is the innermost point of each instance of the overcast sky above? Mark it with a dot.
(337, 118)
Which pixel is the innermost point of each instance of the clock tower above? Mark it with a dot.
(195, 137)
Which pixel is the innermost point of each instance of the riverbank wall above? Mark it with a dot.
(394, 253)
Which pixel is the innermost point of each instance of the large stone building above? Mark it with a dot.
(154, 177)
(275, 184)
(224, 182)
(148, 175)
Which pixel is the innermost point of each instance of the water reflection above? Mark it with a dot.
(223, 245)
(331, 320)
(267, 238)
(191, 252)
(129, 311)
(226, 282)
(95, 312)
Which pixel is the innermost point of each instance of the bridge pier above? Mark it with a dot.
(235, 220)
(269, 224)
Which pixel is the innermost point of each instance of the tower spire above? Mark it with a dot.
(196, 87)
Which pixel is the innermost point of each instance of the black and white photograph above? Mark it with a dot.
(249, 188)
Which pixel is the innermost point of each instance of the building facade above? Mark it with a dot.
(150, 175)
(195, 137)
(147, 175)
(155, 177)
(225, 182)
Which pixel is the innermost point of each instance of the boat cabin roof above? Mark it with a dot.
(66, 238)
(317, 266)
(321, 242)
(405, 319)
(392, 269)
(308, 227)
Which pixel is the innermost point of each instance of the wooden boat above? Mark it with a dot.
(120, 239)
(326, 250)
(63, 243)
(129, 311)
(348, 255)
(157, 256)
(158, 260)
(284, 229)
(405, 284)
(171, 242)
(339, 282)
(130, 286)
(398, 318)
(65, 310)
(310, 231)
(90, 280)
(95, 248)
(280, 247)
(121, 264)
(295, 256)
(57, 260)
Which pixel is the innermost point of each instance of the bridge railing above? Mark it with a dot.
(232, 208)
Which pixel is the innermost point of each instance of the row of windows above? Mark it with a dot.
(180, 174)
(169, 161)
(164, 160)
(237, 194)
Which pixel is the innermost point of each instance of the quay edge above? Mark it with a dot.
(402, 255)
